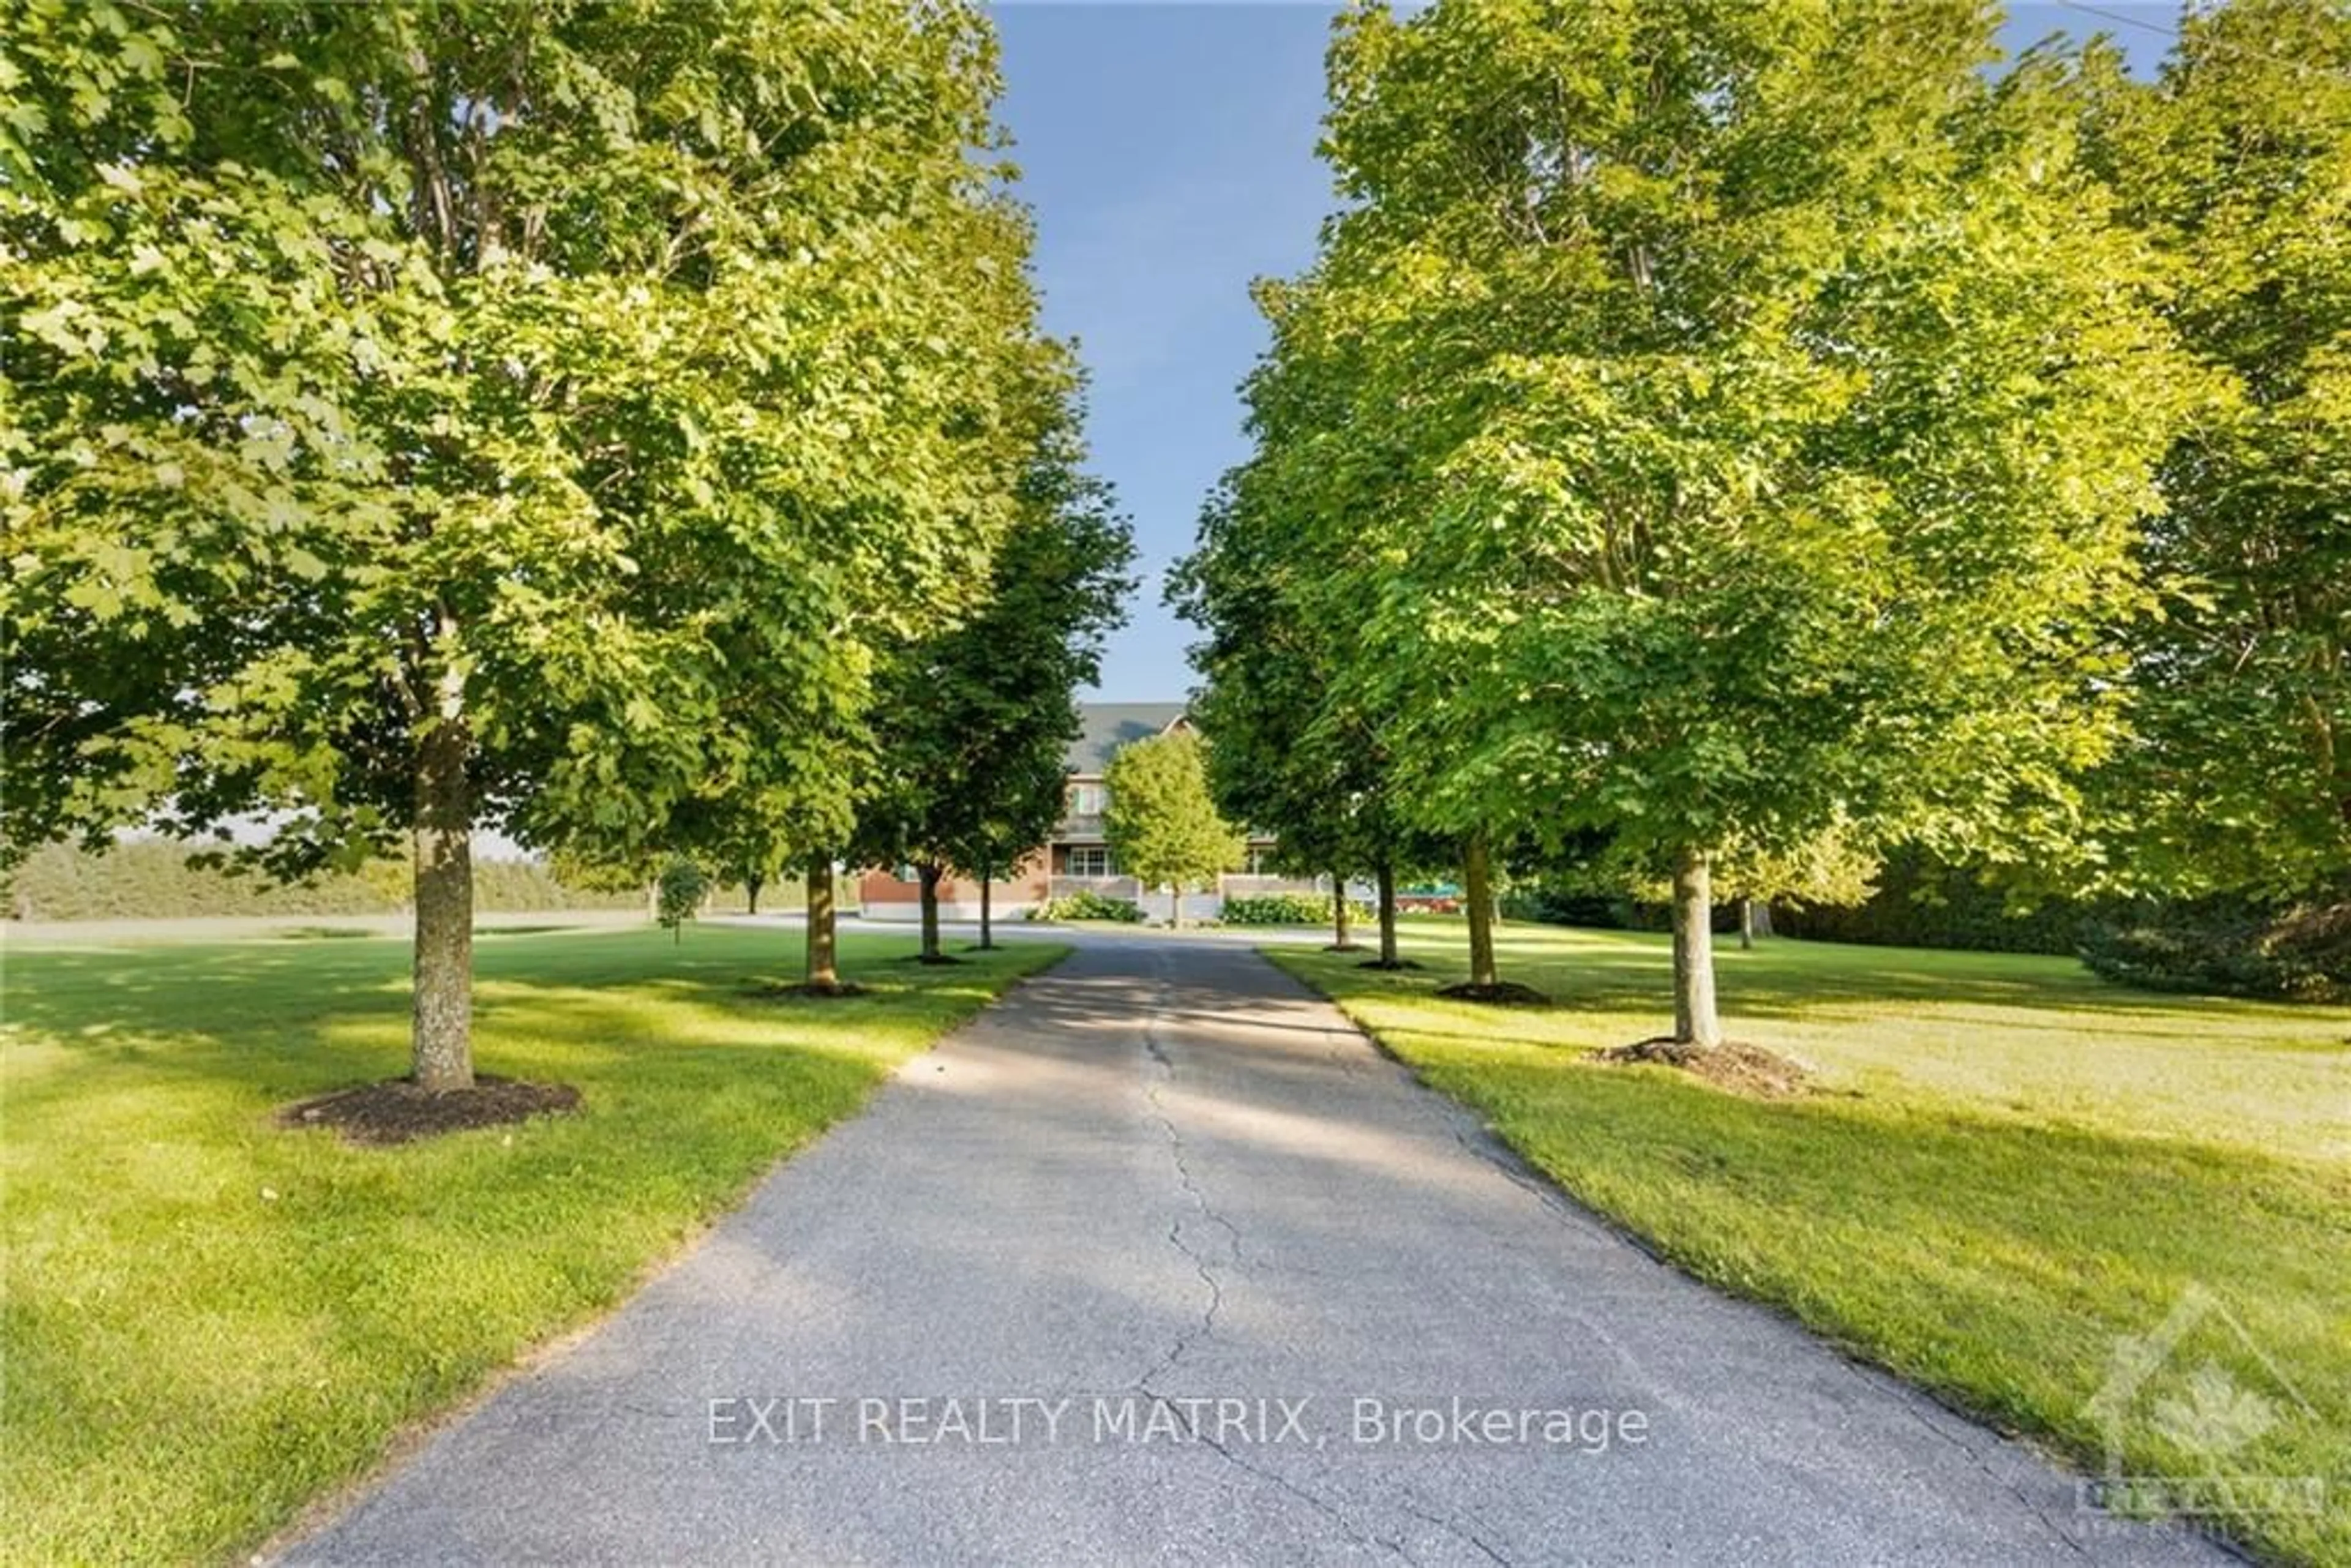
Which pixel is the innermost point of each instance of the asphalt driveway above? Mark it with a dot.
(1159, 1259)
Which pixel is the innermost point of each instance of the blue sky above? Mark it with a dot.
(1169, 153)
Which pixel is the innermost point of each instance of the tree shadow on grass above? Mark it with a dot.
(288, 1019)
(1623, 972)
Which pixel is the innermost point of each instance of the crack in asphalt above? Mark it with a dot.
(1977, 1460)
(1320, 1504)
(1346, 1052)
(1157, 1050)
(1458, 1531)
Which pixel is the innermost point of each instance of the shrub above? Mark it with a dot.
(1287, 909)
(1088, 906)
(1580, 903)
(2231, 946)
(1558, 904)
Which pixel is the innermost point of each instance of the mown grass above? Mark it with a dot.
(2012, 1168)
(208, 1320)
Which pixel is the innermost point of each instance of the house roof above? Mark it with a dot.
(1106, 726)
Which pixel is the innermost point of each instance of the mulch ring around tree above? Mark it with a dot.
(1387, 966)
(1502, 993)
(1734, 1065)
(398, 1112)
(778, 990)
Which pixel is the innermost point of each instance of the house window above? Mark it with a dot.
(1090, 860)
(1086, 799)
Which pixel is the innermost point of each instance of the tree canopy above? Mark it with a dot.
(1716, 427)
(2235, 164)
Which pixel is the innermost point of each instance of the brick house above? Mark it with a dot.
(1077, 857)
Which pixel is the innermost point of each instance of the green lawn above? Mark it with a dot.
(2012, 1166)
(208, 1320)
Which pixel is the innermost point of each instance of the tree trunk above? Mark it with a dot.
(1175, 906)
(1478, 897)
(1696, 1021)
(987, 914)
(1746, 924)
(652, 901)
(1339, 913)
(1388, 917)
(442, 1034)
(929, 874)
(823, 941)
(751, 885)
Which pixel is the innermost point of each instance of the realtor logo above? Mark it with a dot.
(2169, 1386)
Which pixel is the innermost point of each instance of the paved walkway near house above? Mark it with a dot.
(1159, 1259)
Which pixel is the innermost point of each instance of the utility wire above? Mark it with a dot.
(2128, 20)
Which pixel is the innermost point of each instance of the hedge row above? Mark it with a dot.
(1289, 909)
(1088, 906)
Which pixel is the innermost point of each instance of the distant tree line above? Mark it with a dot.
(154, 879)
